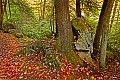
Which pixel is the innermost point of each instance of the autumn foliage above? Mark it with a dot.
(38, 67)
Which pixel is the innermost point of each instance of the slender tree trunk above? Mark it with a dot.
(103, 47)
(5, 11)
(1, 17)
(56, 14)
(118, 15)
(115, 7)
(41, 9)
(103, 22)
(78, 10)
(52, 20)
(44, 9)
(103, 27)
(56, 34)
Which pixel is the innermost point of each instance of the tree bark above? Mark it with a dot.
(4, 10)
(52, 20)
(43, 16)
(115, 7)
(118, 15)
(63, 24)
(78, 10)
(41, 11)
(102, 30)
(64, 28)
(105, 29)
(103, 22)
(9, 8)
(1, 11)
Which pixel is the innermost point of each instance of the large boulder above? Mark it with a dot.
(85, 41)
(7, 26)
(17, 33)
(35, 47)
(85, 37)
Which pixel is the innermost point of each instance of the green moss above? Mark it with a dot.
(56, 45)
(70, 55)
(73, 58)
(7, 26)
(79, 24)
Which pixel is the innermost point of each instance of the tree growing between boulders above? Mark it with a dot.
(65, 36)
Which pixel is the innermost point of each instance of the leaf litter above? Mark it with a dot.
(46, 67)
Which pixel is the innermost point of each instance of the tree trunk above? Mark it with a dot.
(64, 28)
(102, 30)
(78, 10)
(115, 7)
(41, 11)
(103, 46)
(43, 16)
(103, 22)
(52, 20)
(4, 10)
(105, 28)
(1, 11)
(63, 24)
(118, 15)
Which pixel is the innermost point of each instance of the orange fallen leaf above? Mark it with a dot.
(41, 74)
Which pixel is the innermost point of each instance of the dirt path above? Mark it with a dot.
(8, 43)
(8, 46)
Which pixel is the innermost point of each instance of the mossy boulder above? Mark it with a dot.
(7, 26)
(16, 33)
(79, 24)
(85, 37)
(35, 47)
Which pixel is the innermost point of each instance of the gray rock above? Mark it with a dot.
(85, 41)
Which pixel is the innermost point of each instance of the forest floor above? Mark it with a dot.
(30, 67)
